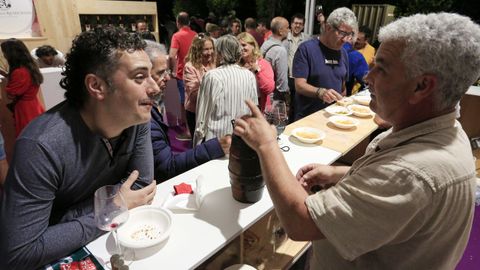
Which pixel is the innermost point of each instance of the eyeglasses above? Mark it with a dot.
(343, 34)
(164, 73)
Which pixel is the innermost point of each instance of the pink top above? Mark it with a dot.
(182, 40)
(265, 83)
(192, 78)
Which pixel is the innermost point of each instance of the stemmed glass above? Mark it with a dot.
(277, 115)
(110, 211)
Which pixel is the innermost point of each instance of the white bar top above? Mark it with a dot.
(50, 88)
(474, 91)
(197, 236)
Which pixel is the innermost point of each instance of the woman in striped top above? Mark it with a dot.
(223, 92)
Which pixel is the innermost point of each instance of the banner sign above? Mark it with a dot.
(16, 18)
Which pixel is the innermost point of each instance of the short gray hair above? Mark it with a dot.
(154, 49)
(229, 49)
(343, 15)
(446, 45)
(276, 24)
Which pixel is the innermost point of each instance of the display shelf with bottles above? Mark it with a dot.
(127, 22)
(125, 14)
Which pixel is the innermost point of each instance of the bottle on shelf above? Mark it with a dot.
(121, 22)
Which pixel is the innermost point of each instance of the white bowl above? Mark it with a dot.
(308, 134)
(360, 110)
(147, 226)
(240, 267)
(363, 100)
(344, 122)
(345, 101)
(338, 110)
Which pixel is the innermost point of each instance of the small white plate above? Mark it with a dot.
(186, 202)
(147, 225)
(360, 110)
(308, 134)
(344, 122)
(363, 100)
(345, 101)
(338, 110)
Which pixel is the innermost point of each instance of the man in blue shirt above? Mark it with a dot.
(357, 67)
(320, 66)
(168, 164)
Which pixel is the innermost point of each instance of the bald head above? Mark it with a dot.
(183, 19)
(279, 27)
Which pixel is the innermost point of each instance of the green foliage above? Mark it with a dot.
(409, 7)
(330, 5)
(221, 7)
(192, 7)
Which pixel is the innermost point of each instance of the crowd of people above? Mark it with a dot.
(407, 203)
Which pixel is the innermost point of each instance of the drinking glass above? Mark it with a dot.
(277, 116)
(110, 211)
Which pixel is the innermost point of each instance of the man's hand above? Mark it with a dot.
(320, 175)
(255, 130)
(331, 95)
(135, 198)
(225, 143)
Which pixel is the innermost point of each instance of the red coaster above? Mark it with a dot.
(183, 188)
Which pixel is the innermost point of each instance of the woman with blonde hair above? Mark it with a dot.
(200, 59)
(253, 61)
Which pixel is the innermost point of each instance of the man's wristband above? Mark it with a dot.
(320, 92)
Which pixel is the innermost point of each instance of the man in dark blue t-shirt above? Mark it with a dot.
(320, 66)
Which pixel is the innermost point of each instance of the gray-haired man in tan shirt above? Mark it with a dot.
(408, 202)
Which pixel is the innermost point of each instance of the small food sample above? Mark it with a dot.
(360, 110)
(363, 100)
(345, 101)
(147, 225)
(146, 232)
(308, 134)
(344, 122)
(338, 110)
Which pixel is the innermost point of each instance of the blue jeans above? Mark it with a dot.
(2, 148)
(181, 91)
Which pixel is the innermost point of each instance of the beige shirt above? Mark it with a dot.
(406, 204)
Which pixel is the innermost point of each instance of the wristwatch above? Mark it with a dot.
(320, 92)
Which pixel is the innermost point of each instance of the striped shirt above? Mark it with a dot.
(222, 98)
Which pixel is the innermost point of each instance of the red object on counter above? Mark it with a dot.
(183, 188)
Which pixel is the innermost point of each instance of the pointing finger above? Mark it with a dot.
(253, 107)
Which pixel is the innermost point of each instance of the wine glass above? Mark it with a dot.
(277, 115)
(110, 211)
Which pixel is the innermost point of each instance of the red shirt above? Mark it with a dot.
(258, 37)
(28, 107)
(182, 40)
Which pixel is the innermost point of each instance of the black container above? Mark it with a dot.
(245, 173)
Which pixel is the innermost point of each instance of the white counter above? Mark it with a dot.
(474, 91)
(50, 88)
(197, 236)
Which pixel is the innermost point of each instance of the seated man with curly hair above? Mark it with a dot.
(98, 136)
